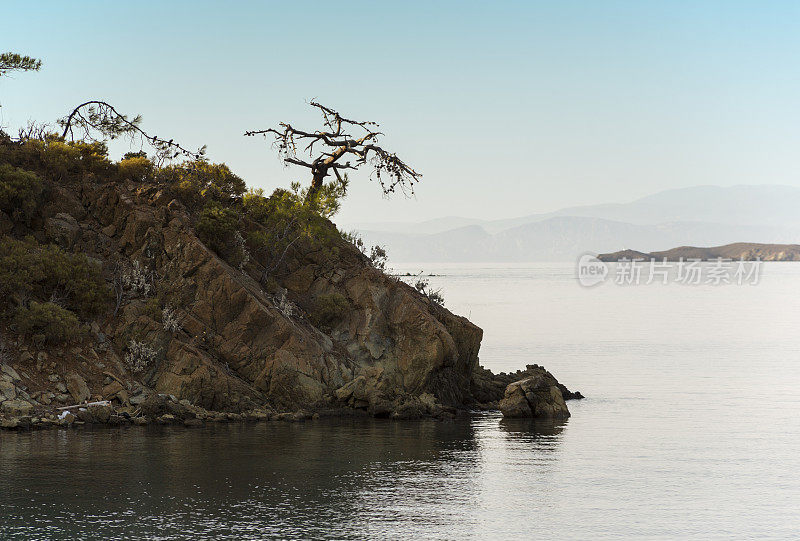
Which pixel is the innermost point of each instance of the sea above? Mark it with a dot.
(690, 429)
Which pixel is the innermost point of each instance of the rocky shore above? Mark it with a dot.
(536, 394)
(161, 409)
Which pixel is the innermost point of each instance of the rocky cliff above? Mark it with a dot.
(185, 323)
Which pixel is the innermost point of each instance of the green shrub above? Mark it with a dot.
(296, 202)
(136, 168)
(57, 324)
(43, 272)
(286, 218)
(218, 228)
(199, 182)
(20, 191)
(329, 307)
(57, 159)
(256, 206)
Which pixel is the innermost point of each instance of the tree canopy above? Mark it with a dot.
(17, 62)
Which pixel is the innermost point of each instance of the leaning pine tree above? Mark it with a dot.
(340, 145)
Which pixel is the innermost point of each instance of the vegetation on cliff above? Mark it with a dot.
(54, 291)
(163, 273)
(235, 223)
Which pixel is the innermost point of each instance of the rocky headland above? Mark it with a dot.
(739, 251)
(181, 332)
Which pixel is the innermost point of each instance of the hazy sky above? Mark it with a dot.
(506, 108)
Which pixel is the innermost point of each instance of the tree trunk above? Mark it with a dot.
(320, 170)
(316, 183)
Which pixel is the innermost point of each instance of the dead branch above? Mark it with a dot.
(340, 143)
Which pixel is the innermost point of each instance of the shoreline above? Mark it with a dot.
(166, 410)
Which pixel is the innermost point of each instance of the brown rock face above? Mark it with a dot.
(536, 396)
(63, 229)
(244, 338)
(239, 346)
(77, 387)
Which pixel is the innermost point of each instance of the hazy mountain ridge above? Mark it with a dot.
(703, 215)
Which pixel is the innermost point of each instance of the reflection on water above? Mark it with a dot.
(343, 479)
(532, 430)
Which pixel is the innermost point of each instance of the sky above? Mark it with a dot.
(506, 108)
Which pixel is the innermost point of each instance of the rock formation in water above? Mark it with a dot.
(535, 396)
(201, 335)
(533, 392)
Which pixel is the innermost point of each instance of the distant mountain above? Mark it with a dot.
(736, 251)
(772, 205)
(703, 215)
(769, 204)
(564, 238)
(428, 227)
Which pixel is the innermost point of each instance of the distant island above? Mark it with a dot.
(746, 251)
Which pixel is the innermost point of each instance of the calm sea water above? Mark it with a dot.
(690, 430)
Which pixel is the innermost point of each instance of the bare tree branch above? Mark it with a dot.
(101, 117)
(391, 172)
